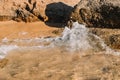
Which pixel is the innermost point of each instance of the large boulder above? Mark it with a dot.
(30, 10)
(58, 12)
(97, 13)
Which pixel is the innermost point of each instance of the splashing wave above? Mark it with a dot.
(76, 39)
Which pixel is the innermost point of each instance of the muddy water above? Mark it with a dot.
(76, 55)
(77, 39)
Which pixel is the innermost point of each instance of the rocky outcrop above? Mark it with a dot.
(114, 41)
(97, 13)
(111, 37)
(33, 10)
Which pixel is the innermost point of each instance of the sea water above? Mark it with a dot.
(78, 38)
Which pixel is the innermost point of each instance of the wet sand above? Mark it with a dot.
(14, 30)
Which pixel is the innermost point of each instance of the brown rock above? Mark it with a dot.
(111, 37)
(114, 41)
(29, 10)
(97, 13)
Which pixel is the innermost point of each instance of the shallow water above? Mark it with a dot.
(78, 39)
(76, 55)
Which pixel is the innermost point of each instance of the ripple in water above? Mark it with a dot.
(76, 39)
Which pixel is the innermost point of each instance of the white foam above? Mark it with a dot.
(23, 33)
(5, 39)
(79, 38)
(4, 49)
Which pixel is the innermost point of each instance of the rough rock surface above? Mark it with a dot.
(111, 37)
(31, 10)
(98, 13)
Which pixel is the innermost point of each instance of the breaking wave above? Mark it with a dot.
(4, 49)
(79, 38)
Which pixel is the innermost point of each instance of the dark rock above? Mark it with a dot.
(97, 13)
(58, 12)
(9, 9)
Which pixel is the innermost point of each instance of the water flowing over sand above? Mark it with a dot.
(76, 39)
(77, 54)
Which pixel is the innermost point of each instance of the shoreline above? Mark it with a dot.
(21, 30)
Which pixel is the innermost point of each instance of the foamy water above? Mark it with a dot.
(4, 49)
(76, 39)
